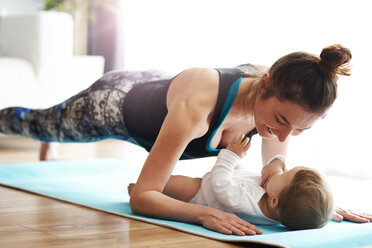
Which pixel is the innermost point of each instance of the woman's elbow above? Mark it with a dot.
(135, 204)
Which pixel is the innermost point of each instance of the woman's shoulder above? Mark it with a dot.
(200, 76)
(195, 82)
(197, 88)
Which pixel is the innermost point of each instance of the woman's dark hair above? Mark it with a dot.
(307, 79)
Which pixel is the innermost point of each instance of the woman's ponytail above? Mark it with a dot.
(334, 60)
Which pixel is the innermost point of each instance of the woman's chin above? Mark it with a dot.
(268, 137)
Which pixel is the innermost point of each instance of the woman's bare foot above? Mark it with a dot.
(49, 151)
(130, 188)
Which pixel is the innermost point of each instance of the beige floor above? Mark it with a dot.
(28, 220)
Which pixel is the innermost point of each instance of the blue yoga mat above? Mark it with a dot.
(101, 184)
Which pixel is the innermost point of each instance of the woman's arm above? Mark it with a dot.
(271, 148)
(186, 120)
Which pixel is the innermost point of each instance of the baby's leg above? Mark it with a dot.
(178, 187)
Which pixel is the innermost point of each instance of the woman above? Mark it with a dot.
(193, 115)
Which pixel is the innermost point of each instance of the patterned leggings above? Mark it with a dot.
(92, 115)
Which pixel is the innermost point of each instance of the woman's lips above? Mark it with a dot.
(269, 130)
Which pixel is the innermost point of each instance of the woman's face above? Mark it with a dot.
(274, 118)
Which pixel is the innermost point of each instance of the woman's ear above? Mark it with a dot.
(264, 82)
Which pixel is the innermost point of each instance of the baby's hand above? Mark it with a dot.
(275, 167)
(239, 146)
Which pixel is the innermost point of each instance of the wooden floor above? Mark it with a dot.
(28, 220)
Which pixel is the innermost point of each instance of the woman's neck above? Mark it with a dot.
(242, 109)
(246, 97)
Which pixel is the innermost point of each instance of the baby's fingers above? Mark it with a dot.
(245, 140)
(247, 144)
(240, 139)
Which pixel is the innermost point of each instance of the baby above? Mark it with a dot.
(298, 198)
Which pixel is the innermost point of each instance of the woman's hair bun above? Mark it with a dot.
(335, 60)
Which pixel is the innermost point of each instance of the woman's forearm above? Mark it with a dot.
(273, 147)
(156, 204)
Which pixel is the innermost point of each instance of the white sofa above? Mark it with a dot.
(37, 65)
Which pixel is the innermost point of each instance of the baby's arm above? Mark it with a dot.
(228, 192)
(239, 146)
(182, 188)
(178, 187)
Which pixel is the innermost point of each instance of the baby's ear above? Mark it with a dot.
(274, 202)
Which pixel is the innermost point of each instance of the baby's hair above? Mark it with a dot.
(309, 80)
(307, 202)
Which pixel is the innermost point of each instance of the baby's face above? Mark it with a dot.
(279, 181)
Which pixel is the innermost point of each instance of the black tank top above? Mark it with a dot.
(145, 110)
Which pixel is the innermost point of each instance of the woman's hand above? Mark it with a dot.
(227, 223)
(344, 214)
(276, 166)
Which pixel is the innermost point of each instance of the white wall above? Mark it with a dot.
(10, 7)
(173, 35)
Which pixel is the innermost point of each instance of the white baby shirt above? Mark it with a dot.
(234, 191)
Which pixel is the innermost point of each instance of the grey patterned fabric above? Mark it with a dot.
(92, 115)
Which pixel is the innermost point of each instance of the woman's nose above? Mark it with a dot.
(284, 133)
